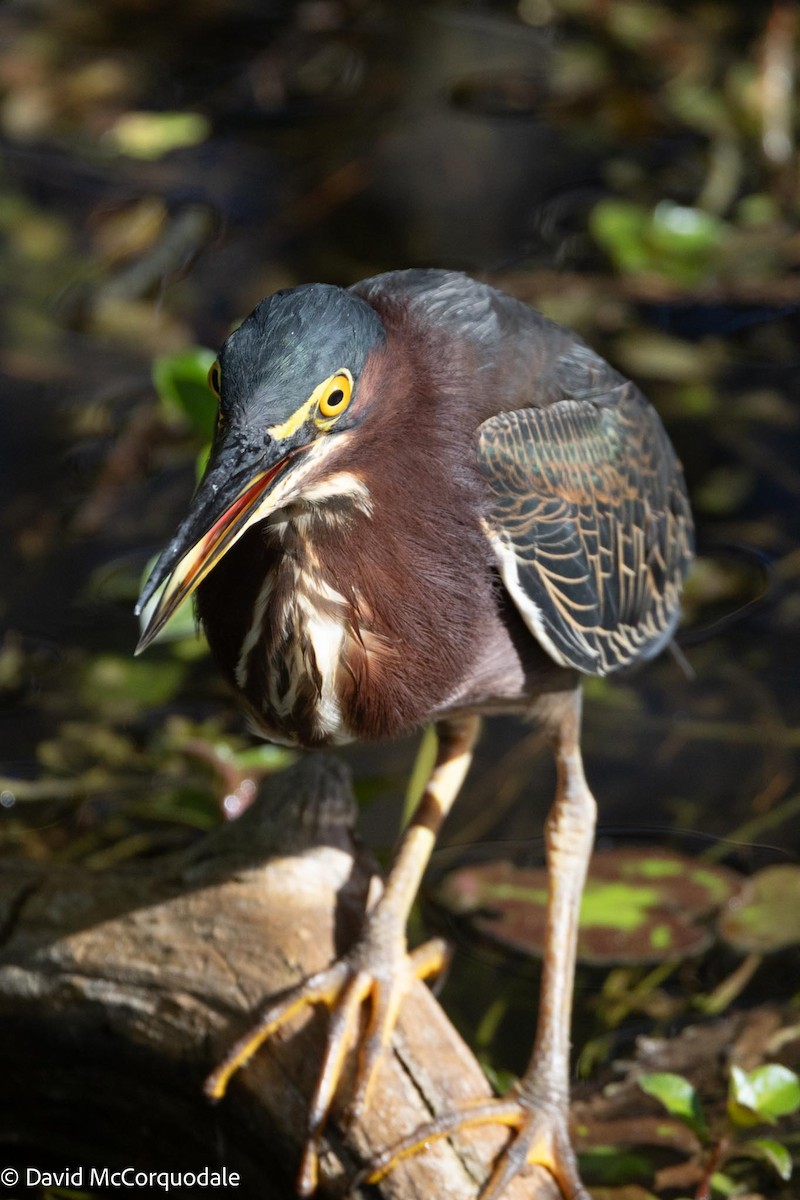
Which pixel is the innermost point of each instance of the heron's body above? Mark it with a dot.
(426, 502)
(305, 614)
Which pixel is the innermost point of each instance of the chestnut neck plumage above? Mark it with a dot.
(327, 616)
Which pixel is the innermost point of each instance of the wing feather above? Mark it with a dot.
(589, 518)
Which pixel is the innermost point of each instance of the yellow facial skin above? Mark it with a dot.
(325, 405)
(329, 400)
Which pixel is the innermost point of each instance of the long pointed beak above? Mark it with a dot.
(233, 495)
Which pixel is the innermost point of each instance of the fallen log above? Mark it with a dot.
(120, 990)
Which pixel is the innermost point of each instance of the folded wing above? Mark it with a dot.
(589, 518)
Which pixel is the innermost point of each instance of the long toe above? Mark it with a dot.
(541, 1139)
(371, 981)
(539, 1136)
(390, 983)
(323, 988)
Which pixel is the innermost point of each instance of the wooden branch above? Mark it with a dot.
(120, 990)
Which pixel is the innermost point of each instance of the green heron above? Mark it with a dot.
(426, 502)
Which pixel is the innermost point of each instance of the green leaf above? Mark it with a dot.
(150, 135)
(683, 232)
(678, 1097)
(617, 226)
(181, 381)
(723, 1185)
(263, 757)
(767, 1150)
(120, 687)
(613, 1165)
(501, 1080)
(420, 772)
(676, 241)
(762, 1095)
(201, 462)
(757, 209)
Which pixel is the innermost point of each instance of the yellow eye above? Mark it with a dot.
(336, 394)
(215, 378)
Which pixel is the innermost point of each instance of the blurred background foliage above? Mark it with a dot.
(629, 167)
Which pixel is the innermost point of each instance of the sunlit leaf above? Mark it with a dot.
(181, 381)
(759, 208)
(688, 233)
(762, 1095)
(696, 400)
(421, 772)
(678, 1097)
(724, 1185)
(673, 240)
(500, 1079)
(617, 226)
(725, 490)
(151, 135)
(652, 354)
(768, 1150)
(263, 757)
(201, 462)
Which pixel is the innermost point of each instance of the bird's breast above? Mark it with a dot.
(334, 631)
(293, 655)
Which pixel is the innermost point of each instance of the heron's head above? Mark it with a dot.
(288, 384)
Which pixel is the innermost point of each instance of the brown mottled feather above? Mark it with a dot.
(591, 515)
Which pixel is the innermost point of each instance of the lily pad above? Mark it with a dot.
(640, 904)
(765, 915)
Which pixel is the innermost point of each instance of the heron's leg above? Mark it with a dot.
(378, 970)
(537, 1109)
(569, 837)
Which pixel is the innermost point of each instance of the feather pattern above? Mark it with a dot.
(589, 518)
(482, 440)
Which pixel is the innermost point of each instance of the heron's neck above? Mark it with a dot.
(294, 640)
(329, 616)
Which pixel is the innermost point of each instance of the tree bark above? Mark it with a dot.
(119, 991)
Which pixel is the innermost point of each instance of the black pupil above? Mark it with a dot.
(335, 398)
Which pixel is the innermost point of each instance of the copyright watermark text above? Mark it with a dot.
(127, 1177)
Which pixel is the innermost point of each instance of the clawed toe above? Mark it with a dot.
(372, 976)
(322, 988)
(539, 1136)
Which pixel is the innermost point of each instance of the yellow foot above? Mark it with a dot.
(540, 1136)
(377, 973)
